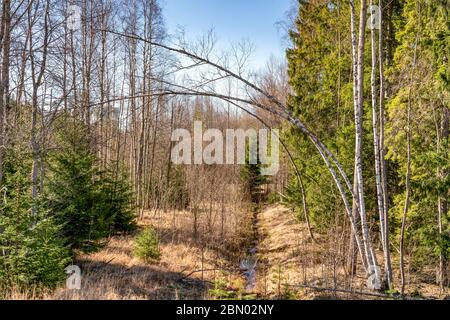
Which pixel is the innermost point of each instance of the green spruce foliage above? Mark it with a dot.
(252, 179)
(90, 203)
(319, 68)
(417, 72)
(147, 245)
(419, 79)
(32, 252)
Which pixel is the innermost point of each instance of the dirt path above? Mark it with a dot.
(289, 259)
(281, 236)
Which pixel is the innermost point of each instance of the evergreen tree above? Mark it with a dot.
(252, 179)
(115, 201)
(419, 77)
(90, 203)
(178, 194)
(32, 252)
(72, 187)
(318, 68)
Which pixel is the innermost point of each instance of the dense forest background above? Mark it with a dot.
(88, 108)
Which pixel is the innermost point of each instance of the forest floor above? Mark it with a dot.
(208, 264)
(293, 266)
(202, 268)
(191, 268)
(187, 269)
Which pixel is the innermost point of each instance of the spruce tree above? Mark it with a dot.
(91, 204)
(72, 185)
(115, 200)
(252, 178)
(419, 78)
(32, 252)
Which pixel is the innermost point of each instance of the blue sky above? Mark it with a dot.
(232, 20)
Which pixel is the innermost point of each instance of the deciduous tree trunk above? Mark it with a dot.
(408, 173)
(5, 40)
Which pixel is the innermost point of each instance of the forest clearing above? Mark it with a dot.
(222, 150)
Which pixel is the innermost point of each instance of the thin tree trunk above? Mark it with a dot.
(408, 175)
(5, 36)
(358, 89)
(103, 145)
(443, 198)
(353, 252)
(376, 143)
(37, 81)
(383, 167)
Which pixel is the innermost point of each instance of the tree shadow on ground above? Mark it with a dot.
(104, 281)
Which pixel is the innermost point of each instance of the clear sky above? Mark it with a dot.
(232, 20)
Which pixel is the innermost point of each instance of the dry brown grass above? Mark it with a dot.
(288, 258)
(284, 247)
(115, 274)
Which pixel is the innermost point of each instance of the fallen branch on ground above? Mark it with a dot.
(372, 294)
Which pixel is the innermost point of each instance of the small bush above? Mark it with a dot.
(235, 290)
(147, 245)
(274, 198)
(220, 291)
